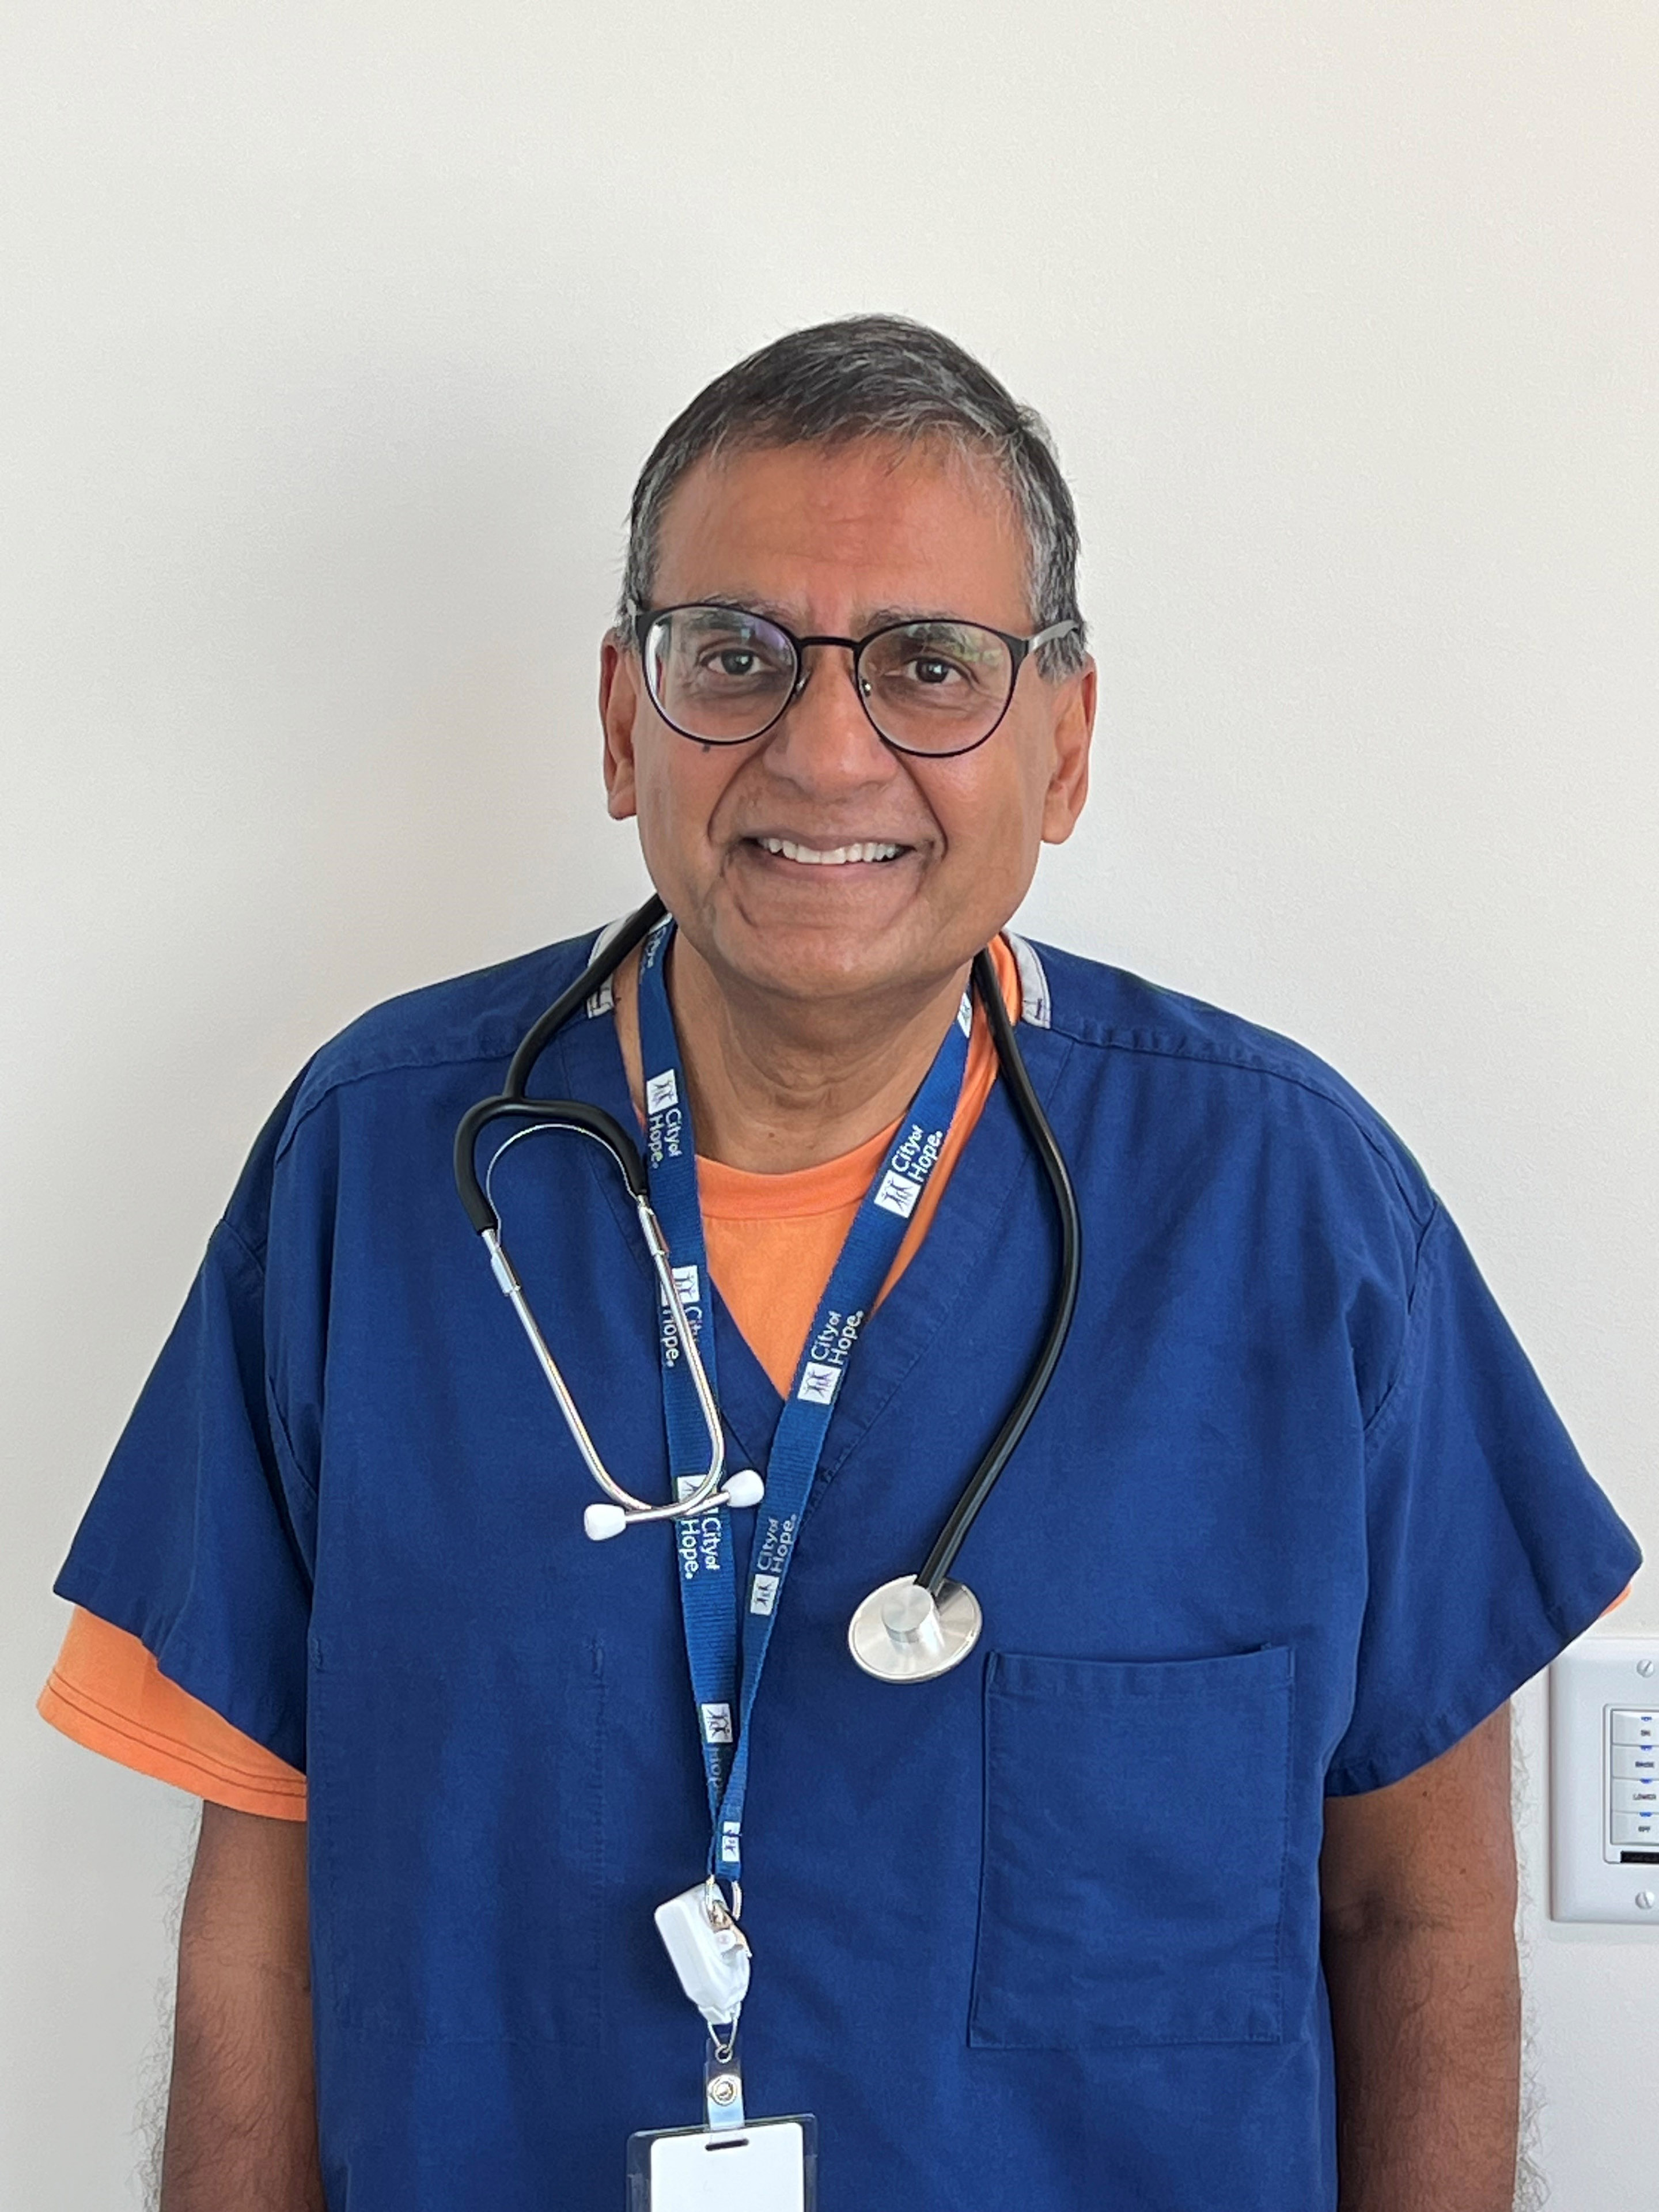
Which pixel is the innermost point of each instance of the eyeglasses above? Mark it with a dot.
(724, 676)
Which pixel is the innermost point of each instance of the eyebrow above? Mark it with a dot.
(880, 617)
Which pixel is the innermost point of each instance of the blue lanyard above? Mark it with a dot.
(726, 1644)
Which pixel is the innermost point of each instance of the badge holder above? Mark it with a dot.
(771, 2166)
(729, 2163)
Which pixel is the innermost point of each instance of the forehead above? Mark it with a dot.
(832, 531)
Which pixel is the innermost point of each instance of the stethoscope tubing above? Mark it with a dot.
(538, 1116)
(668, 1289)
(599, 970)
(1029, 1106)
(512, 1102)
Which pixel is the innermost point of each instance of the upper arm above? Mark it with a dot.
(1488, 1549)
(1436, 1848)
(246, 1907)
(242, 2106)
(198, 1540)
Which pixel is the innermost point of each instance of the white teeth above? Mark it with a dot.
(836, 857)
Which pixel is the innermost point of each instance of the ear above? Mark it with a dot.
(619, 699)
(1073, 730)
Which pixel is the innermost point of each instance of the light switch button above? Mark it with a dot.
(1635, 1728)
(1633, 1796)
(1636, 1828)
(1630, 1761)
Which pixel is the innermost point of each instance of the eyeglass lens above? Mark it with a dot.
(723, 676)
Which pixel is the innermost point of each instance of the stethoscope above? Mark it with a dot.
(916, 1626)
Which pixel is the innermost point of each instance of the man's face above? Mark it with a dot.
(839, 540)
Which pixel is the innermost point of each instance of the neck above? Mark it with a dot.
(777, 1086)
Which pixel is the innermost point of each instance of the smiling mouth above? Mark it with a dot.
(833, 856)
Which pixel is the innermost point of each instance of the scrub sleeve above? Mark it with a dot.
(106, 1693)
(1489, 1548)
(198, 1540)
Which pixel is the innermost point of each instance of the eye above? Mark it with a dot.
(723, 659)
(939, 662)
(927, 668)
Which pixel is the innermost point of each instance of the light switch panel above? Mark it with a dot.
(1604, 1780)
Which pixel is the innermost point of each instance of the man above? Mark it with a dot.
(1193, 1886)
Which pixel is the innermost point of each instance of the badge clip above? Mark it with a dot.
(722, 2080)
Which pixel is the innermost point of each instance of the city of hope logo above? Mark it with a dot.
(818, 1383)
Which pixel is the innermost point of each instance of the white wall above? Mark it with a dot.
(332, 339)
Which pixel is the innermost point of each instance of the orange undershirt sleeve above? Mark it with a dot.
(107, 1692)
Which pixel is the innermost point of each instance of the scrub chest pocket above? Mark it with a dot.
(1135, 1835)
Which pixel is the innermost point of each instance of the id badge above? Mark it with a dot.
(768, 2166)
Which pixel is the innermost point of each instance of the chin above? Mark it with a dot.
(817, 962)
(809, 969)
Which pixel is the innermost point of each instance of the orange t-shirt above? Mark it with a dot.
(772, 1241)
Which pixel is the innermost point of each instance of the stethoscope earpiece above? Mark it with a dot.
(602, 1520)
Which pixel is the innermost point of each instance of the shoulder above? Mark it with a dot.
(461, 1021)
(1219, 1071)
(403, 1063)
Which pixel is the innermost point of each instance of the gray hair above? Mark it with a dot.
(875, 376)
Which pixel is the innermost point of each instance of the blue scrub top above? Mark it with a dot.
(1295, 1515)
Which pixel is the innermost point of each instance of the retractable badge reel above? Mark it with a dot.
(729, 2163)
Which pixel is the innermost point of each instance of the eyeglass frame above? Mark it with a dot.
(1019, 650)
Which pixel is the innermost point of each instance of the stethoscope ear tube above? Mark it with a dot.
(573, 1114)
(512, 1103)
(605, 962)
(1029, 1106)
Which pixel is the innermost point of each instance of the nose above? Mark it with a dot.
(824, 743)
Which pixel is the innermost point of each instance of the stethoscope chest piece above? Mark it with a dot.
(901, 1634)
